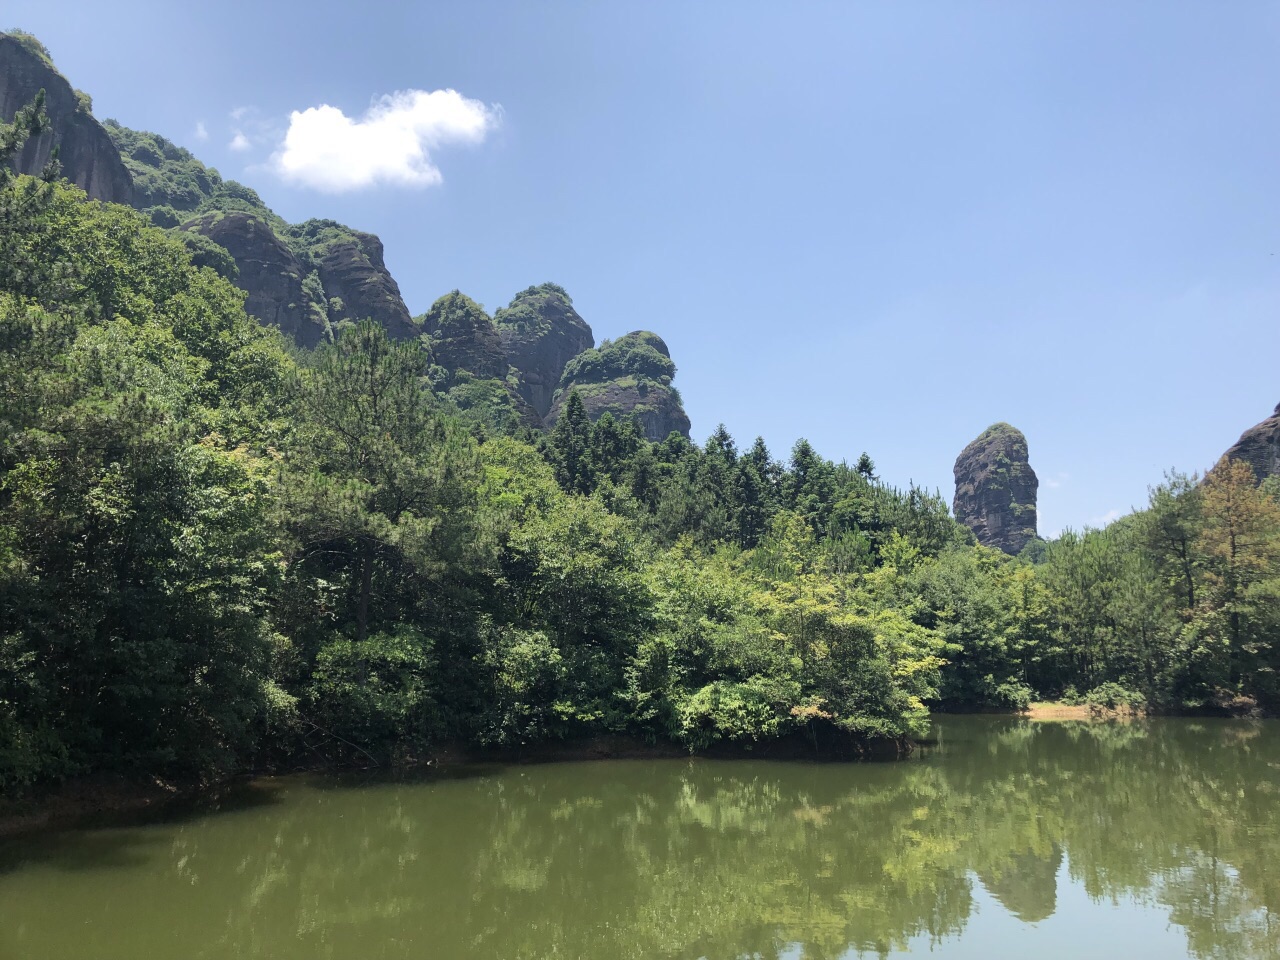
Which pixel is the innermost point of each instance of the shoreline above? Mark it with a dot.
(103, 799)
(1052, 711)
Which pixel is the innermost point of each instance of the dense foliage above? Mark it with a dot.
(640, 354)
(216, 551)
(521, 313)
(170, 185)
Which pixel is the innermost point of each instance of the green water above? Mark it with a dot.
(1006, 839)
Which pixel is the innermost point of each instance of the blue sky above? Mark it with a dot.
(878, 226)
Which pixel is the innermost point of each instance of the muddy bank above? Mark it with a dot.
(1080, 711)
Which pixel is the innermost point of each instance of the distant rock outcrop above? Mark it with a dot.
(358, 285)
(270, 273)
(996, 489)
(85, 152)
(1259, 446)
(541, 333)
(469, 366)
(462, 337)
(630, 378)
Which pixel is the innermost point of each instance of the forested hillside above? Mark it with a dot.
(221, 552)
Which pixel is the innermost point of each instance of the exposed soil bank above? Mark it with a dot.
(106, 799)
(1080, 711)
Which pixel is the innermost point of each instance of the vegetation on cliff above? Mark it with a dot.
(629, 377)
(541, 333)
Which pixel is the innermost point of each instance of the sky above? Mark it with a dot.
(878, 226)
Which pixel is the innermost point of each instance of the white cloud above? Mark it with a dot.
(239, 113)
(392, 143)
(239, 142)
(202, 132)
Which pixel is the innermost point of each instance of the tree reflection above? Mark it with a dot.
(689, 859)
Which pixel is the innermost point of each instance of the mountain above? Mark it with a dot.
(307, 279)
(304, 278)
(996, 489)
(85, 152)
(627, 377)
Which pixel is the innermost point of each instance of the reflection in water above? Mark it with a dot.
(1172, 820)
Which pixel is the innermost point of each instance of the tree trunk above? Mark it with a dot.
(366, 588)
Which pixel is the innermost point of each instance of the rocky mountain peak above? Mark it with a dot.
(462, 337)
(86, 154)
(996, 489)
(541, 332)
(1259, 446)
(630, 378)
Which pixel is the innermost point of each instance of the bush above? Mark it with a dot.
(1113, 696)
(1014, 696)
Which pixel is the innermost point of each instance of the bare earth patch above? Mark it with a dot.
(1080, 711)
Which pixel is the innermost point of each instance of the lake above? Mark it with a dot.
(1002, 838)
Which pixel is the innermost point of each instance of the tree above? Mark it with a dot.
(1172, 525)
(1240, 543)
(867, 467)
(382, 487)
(571, 443)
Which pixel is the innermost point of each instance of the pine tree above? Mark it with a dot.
(382, 485)
(1240, 543)
(571, 441)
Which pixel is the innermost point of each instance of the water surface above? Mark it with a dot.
(1008, 838)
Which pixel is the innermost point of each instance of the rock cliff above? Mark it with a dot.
(629, 377)
(355, 278)
(270, 273)
(996, 489)
(1259, 446)
(462, 337)
(85, 152)
(304, 279)
(541, 332)
(469, 366)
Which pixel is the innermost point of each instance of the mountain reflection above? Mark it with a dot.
(689, 859)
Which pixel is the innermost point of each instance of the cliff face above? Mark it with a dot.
(469, 366)
(1259, 446)
(541, 333)
(462, 337)
(630, 378)
(996, 489)
(354, 274)
(270, 273)
(307, 278)
(86, 153)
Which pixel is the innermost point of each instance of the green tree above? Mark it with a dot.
(382, 488)
(1240, 542)
(571, 445)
